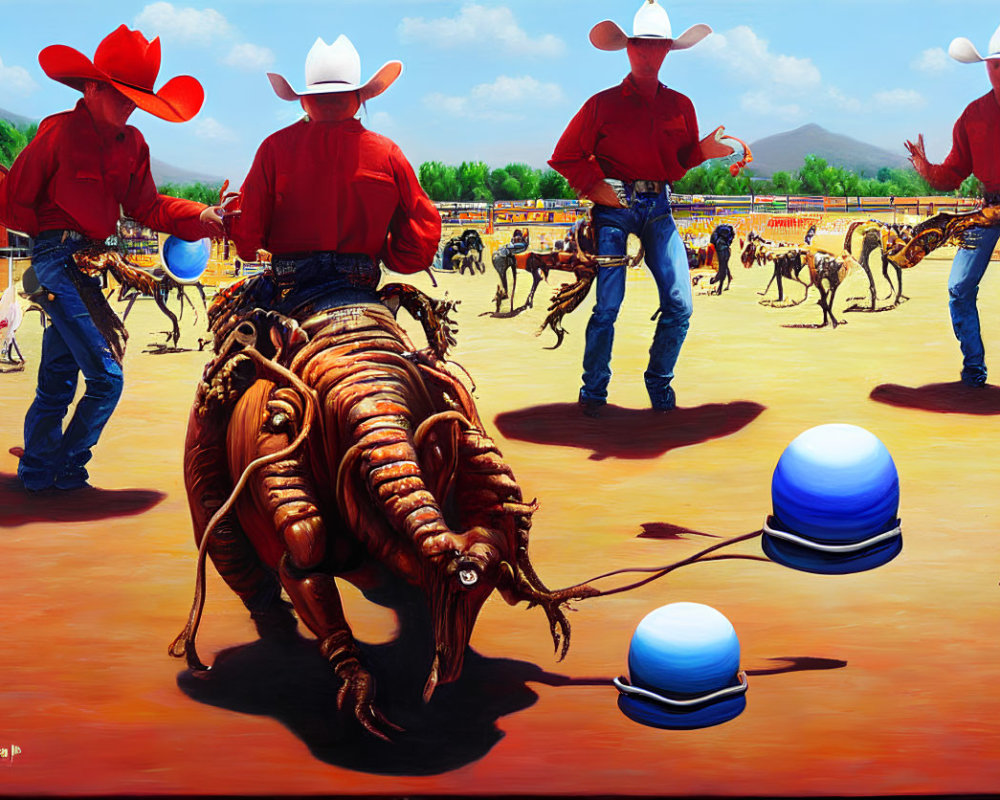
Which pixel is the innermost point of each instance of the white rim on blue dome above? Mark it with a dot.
(832, 548)
(729, 691)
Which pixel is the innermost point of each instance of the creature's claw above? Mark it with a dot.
(357, 693)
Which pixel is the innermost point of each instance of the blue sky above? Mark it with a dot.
(498, 81)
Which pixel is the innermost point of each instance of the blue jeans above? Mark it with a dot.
(71, 344)
(648, 216)
(967, 271)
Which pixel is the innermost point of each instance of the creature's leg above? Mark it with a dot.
(208, 484)
(536, 275)
(963, 286)
(175, 335)
(865, 254)
(777, 275)
(665, 258)
(611, 240)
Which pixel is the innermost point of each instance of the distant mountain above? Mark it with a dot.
(162, 172)
(786, 152)
(14, 119)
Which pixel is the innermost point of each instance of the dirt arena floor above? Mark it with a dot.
(883, 682)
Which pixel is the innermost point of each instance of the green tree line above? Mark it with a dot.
(474, 181)
(816, 177)
(13, 139)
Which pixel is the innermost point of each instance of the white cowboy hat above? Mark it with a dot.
(961, 49)
(334, 68)
(651, 22)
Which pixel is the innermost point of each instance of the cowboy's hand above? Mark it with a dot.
(712, 147)
(918, 155)
(212, 218)
(604, 195)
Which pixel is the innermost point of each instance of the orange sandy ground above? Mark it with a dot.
(876, 683)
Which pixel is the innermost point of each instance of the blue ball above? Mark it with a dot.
(835, 483)
(185, 261)
(684, 649)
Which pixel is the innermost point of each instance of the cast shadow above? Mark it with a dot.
(942, 398)
(798, 664)
(295, 685)
(626, 432)
(20, 507)
(669, 531)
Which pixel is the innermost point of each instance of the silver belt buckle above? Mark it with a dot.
(620, 189)
(281, 268)
(646, 187)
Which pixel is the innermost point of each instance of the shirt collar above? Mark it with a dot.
(629, 87)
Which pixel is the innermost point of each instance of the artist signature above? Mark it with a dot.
(8, 753)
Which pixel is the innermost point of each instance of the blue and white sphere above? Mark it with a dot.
(684, 648)
(682, 651)
(185, 261)
(834, 485)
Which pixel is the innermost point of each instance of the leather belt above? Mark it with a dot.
(61, 235)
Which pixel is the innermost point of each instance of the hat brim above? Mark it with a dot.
(608, 35)
(178, 100)
(373, 87)
(806, 559)
(961, 49)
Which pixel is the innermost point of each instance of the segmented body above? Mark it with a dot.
(353, 446)
(941, 229)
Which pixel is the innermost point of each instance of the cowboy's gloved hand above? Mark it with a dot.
(211, 217)
(918, 156)
(603, 195)
(711, 147)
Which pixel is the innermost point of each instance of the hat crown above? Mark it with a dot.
(333, 63)
(651, 20)
(128, 57)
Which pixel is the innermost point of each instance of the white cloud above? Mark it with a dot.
(763, 104)
(504, 99)
(933, 59)
(743, 52)
(250, 57)
(837, 98)
(183, 25)
(476, 27)
(16, 80)
(380, 120)
(899, 98)
(213, 130)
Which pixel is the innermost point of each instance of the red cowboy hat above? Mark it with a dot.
(130, 63)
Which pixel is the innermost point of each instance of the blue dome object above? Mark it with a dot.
(185, 261)
(683, 663)
(834, 489)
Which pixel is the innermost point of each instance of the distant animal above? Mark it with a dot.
(787, 260)
(889, 238)
(722, 240)
(462, 245)
(699, 256)
(827, 271)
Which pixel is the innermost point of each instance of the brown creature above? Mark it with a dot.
(319, 448)
(538, 265)
(889, 239)
(827, 271)
(787, 260)
(96, 259)
(948, 226)
(584, 264)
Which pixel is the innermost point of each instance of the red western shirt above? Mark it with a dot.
(339, 187)
(74, 176)
(621, 134)
(975, 148)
